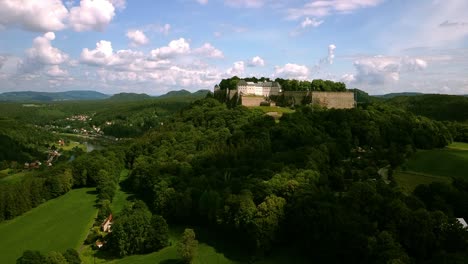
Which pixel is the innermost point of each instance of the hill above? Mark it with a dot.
(28, 96)
(129, 97)
(393, 95)
(436, 106)
(186, 94)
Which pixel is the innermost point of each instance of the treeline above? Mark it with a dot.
(70, 256)
(310, 181)
(18, 197)
(100, 169)
(288, 85)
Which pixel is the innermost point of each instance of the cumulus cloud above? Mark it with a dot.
(56, 71)
(380, 70)
(137, 38)
(291, 70)
(237, 69)
(104, 55)
(320, 8)
(256, 62)
(91, 15)
(42, 16)
(209, 51)
(307, 22)
(175, 47)
(42, 53)
(53, 15)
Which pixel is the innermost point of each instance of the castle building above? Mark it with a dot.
(264, 89)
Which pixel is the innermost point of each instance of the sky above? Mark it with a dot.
(152, 46)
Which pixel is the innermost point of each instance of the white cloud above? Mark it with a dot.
(53, 15)
(103, 55)
(42, 53)
(256, 62)
(119, 4)
(92, 15)
(137, 38)
(321, 8)
(175, 47)
(33, 15)
(331, 53)
(380, 70)
(209, 51)
(291, 70)
(237, 69)
(56, 71)
(202, 2)
(245, 3)
(311, 22)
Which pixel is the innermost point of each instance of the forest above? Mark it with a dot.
(311, 181)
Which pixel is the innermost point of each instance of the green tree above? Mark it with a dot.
(72, 256)
(31, 257)
(54, 257)
(187, 246)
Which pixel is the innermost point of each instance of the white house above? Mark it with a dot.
(264, 89)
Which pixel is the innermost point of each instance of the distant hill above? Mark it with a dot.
(186, 94)
(393, 95)
(29, 96)
(129, 97)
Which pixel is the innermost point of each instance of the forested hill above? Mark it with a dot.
(436, 106)
(309, 181)
(129, 97)
(185, 94)
(51, 96)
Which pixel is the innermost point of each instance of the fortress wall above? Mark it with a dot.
(338, 100)
(297, 96)
(252, 100)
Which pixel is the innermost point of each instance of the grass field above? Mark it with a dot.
(73, 144)
(212, 249)
(120, 198)
(6, 177)
(437, 165)
(277, 109)
(408, 181)
(56, 225)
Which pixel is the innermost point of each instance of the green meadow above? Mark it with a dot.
(437, 165)
(56, 225)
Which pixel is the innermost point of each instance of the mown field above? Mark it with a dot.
(212, 249)
(438, 165)
(56, 225)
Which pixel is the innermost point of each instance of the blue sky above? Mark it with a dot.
(379, 46)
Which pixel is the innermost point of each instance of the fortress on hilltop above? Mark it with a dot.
(265, 92)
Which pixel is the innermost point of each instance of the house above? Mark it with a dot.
(99, 243)
(33, 165)
(106, 225)
(462, 222)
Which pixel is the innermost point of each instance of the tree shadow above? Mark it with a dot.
(93, 192)
(220, 241)
(170, 261)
